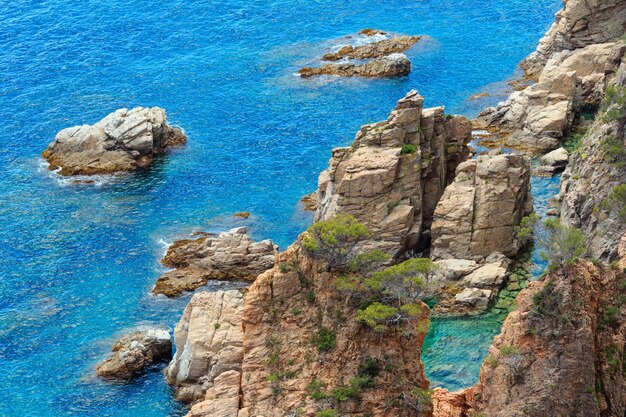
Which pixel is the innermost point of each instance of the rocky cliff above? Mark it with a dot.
(478, 212)
(393, 175)
(539, 117)
(593, 190)
(125, 140)
(304, 352)
(570, 67)
(577, 25)
(209, 343)
(560, 354)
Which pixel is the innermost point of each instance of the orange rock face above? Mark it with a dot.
(560, 354)
(303, 348)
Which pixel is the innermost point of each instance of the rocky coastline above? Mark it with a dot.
(312, 336)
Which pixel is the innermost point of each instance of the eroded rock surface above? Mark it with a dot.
(561, 353)
(376, 49)
(538, 117)
(134, 352)
(595, 170)
(125, 140)
(393, 175)
(577, 25)
(394, 65)
(230, 256)
(287, 371)
(209, 346)
(478, 212)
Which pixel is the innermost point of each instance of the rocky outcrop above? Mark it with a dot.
(561, 353)
(123, 141)
(230, 256)
(134, 352)
(577, 25)
(394, 65)
(478, 212)
(303, 349)
(379, 56)
(393, 175)
(376, 49)
(209, 345)
(595, 170)
(538, 117)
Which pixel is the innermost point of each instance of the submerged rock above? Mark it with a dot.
(209, 344)
(394, 65)
(133, 352)
(123, 141)
(380, 58)
(393, 175)
(230, 256)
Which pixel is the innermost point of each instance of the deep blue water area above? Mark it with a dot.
(77, 261)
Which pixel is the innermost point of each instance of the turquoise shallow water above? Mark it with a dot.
(77, 261)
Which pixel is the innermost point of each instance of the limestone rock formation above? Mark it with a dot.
(376, 49)
(393, 175)
(209, 345)
(577, 25)
(302, 347)
(478, 212)
(561, 353)
(230, 256)
(394, 65)
(538, 117)
(135, 351)
(125, 140)
(595, 171)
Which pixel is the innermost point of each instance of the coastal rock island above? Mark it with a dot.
(125, 140)
(376, 58)
(134, 352)
(229, 256)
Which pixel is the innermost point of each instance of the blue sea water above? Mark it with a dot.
(77, 261)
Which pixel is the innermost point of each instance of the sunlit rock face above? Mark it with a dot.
(393, 175)
(125, 140)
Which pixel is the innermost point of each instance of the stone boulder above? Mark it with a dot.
(209, 340)
(134, 352)
(394, 65)
(474, 298)
(478, 212)
(553, 162)
(393, 175)
(230, 256)
(125, 140)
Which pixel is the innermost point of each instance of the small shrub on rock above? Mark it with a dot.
(324, 340)
(408, 149)
(334, 240)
